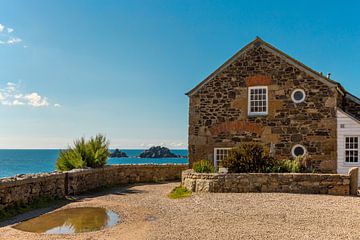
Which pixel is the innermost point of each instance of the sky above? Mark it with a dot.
(71, 69)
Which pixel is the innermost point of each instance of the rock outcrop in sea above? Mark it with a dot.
(158, 152)
(118, 154)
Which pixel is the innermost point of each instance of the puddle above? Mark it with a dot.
(71, 220)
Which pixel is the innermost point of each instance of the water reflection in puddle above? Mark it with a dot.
(71, 220)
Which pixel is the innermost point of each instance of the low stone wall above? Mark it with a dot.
(334, 184)
(25, 189)
(87, 179)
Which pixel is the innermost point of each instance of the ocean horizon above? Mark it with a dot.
(30, 161)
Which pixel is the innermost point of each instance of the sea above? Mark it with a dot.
(21, 161)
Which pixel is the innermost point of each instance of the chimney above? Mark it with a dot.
(321, 73)
(328, 75)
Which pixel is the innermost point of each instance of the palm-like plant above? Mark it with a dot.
(93, 153)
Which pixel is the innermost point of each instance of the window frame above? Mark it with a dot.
(293, 94)
(215, 155)
(293, 150)
(352, 149)
(249, 101)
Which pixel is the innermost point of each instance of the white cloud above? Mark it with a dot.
(14, 40)
(17, 102)
(11, 95)
(35, 100)
(7, 37)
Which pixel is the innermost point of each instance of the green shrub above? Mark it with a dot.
(203, 166)
(286, 166)
(93, 153)
(69, 159)
(249, 158)
(298, 165)
(179, 192)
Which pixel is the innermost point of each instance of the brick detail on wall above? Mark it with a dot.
(257, 80)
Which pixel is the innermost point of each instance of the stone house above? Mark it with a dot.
(262, 94)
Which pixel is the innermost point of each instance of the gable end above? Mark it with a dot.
(260, 43)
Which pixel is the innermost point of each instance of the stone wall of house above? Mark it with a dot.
(218, 112)
(334, 184)
(29, 188)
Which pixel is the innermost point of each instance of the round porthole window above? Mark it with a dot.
(298, 150)
(298, 95)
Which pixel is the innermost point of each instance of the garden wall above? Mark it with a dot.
(334, 184)
(25, 189)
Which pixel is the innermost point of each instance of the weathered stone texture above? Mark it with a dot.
(218, 112)
(32, 187)
(29, 188)
(334, 184)
(87, 179)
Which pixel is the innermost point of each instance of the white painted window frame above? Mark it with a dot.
(249, 101)
(352, 149)
(293, 94)
(215, 155)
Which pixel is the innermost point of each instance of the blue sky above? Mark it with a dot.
(77, 68)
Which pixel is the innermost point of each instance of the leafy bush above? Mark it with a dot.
(179, 192)
(203, 166)
(93, 153)
(69, 159)
(249, 158)
(255, 158)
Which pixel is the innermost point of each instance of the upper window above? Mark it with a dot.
(351, 149)
(298, 151)
(258, 100)
(298, 95)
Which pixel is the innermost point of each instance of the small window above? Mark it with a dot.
(298, 151)
(351, 149)
(258, 101)
(220, 154)
(298, 96)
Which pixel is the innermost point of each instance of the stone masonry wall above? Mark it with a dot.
(334, 184)
(84, 180)
(32, 187)
(218, 114)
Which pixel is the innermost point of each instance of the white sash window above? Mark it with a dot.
(258, 101)
(352, 149)
(219, 155)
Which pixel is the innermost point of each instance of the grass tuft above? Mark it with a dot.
(179, 192)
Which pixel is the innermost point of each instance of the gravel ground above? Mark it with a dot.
(147, 213)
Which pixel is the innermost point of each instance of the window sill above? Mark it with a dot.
(257, 114)
(345, 164)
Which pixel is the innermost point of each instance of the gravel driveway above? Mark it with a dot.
(147, 213)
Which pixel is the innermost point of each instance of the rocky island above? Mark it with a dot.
(159, 152)
(118, 154)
